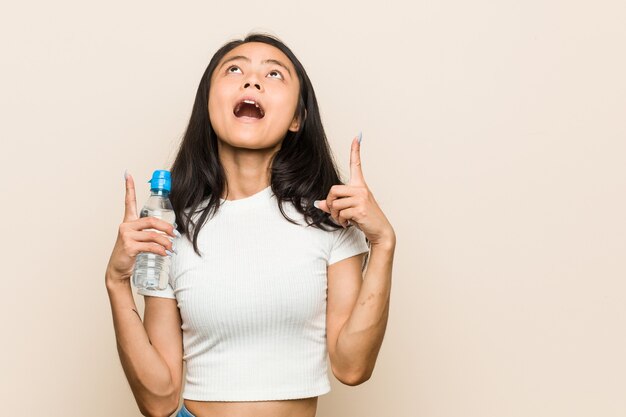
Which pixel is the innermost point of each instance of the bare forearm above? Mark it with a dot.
(147, 373)
(361, 337)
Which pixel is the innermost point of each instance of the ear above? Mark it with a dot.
(295, 124)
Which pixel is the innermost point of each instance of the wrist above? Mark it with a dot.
(113, 282)
(386, 246)
(387, 242)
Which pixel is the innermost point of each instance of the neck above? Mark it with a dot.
(247, 170)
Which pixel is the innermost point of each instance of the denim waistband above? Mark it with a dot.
(183, 412)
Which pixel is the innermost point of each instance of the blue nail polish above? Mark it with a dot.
(360, 136)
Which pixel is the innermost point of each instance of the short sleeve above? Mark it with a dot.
(346, 243)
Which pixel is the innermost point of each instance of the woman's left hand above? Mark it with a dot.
(354, 204)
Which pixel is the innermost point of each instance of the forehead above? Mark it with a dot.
(259, 51)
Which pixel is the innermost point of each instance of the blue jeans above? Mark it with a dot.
(183, 412)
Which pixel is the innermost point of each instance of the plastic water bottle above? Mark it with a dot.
(151, 271)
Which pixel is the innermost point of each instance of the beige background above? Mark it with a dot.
(493, 139)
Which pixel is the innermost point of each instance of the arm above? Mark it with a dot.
(151, 356)
(358, 308)
(357, 313)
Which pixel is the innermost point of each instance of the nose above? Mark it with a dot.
(256, 85)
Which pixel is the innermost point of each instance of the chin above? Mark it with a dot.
(251, 142)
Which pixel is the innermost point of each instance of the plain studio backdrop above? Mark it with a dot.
(493, 140)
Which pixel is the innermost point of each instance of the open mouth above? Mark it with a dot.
(248, 108)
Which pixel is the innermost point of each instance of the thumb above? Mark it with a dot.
(321, 204)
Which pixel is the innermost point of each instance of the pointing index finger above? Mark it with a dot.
(130, 210)
(356, 174)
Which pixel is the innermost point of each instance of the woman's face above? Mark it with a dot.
(264, 74)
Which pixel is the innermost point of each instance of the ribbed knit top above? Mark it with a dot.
(253, 308)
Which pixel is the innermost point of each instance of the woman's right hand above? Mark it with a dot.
(132, 239)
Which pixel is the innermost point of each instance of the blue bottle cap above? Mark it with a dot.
(161, 180)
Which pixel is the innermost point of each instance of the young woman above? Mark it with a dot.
(270, 247)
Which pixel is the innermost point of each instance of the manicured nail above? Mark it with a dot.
(168, 252)
(360, 136)
(125, 174)
(316, 204)
(177, 233)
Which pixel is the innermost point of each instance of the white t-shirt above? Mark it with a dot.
(253, 308)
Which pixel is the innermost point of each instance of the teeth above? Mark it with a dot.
(252, 102)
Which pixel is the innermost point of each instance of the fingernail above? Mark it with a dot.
(168, 252)
(175, 251)
(125, 174)
(360, 137)
(316, 204)
(177, 233)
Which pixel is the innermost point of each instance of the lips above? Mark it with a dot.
(248, 107)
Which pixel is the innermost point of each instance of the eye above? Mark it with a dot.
(276, 72)
(231, 67)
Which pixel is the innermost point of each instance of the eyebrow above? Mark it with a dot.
(267, 61)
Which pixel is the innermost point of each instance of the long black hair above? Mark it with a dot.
(303, 170)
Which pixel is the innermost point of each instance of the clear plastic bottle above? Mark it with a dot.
(151, 271)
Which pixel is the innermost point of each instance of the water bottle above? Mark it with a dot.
(151, 271)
